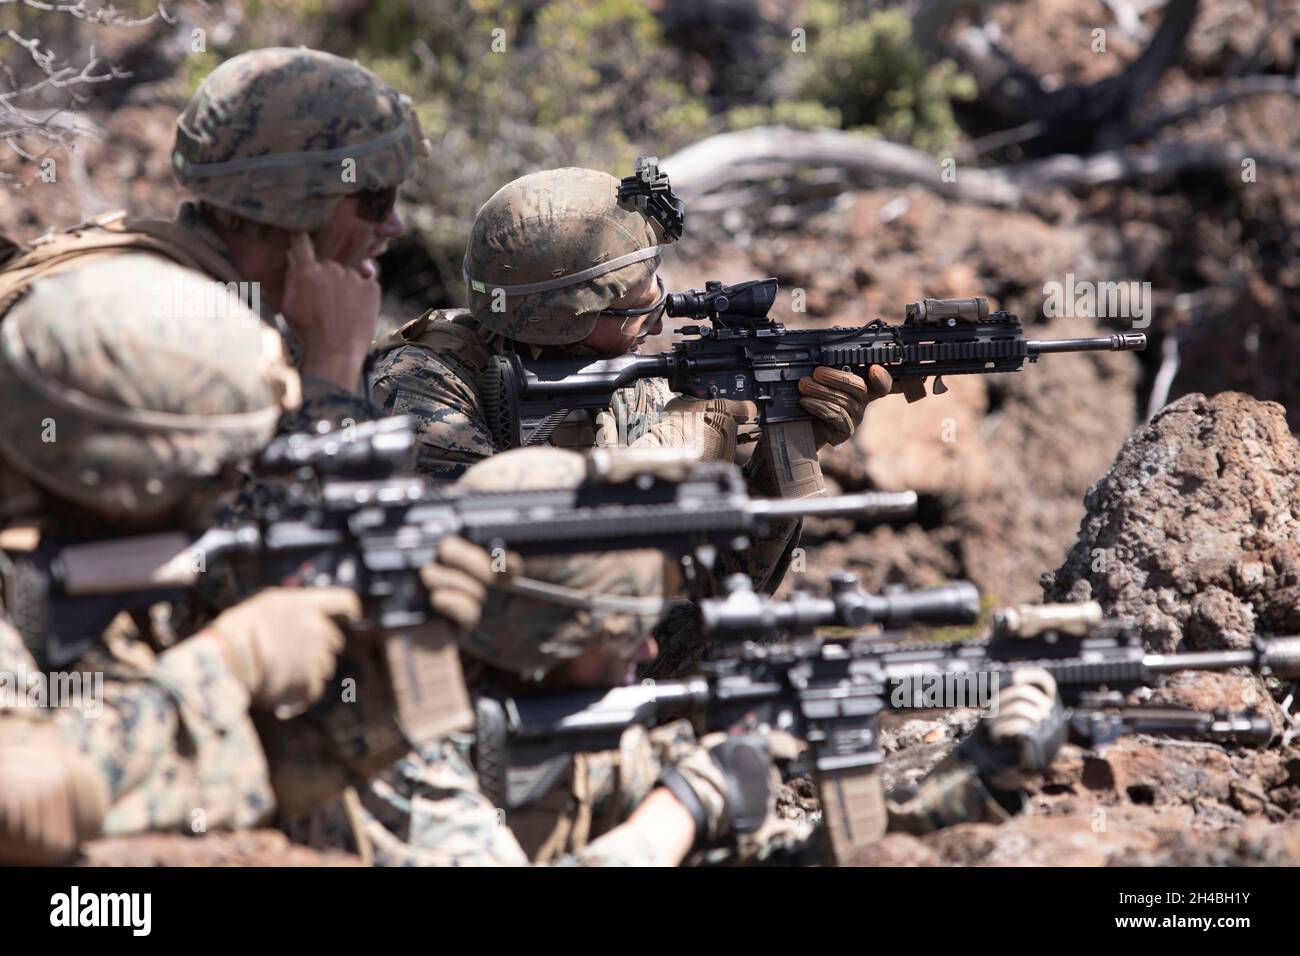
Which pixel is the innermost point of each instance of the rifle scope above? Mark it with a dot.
(745, 300)
(743, 613)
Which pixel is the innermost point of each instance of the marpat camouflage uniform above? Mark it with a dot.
(428, 810)
(176, 736)
(176, 745)
(147, 409)
(436, 383)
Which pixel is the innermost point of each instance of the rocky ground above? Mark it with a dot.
(1141, 801)
(1195, 530)
(1192, 534)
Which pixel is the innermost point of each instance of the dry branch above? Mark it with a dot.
(731, 160)
(30, 125)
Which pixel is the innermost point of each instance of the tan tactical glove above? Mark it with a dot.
(51, 797)
(709, 426)
(459, 579)
(282, 643)
(1025, 733)
(838, 399)
(725, 783)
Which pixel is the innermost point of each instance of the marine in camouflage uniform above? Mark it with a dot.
(294, 157)
(549, 258)
(590, 611)
(429, 810)
(545, 225)
(114, 416)
(120, 416)
(275, 143)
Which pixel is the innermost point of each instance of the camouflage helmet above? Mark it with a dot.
(528, 631)
(279, 136)
(551, 250)
(129, 382)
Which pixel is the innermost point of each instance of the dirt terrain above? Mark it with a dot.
(1141, 801)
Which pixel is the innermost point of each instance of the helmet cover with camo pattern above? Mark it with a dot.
(528, 634)
(280, 136)
(129, 382)
(551, 250)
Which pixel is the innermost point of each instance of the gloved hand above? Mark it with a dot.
(51, 797)
(725, 783)
(282, 643)
(709, 426)
(838, 399)
(778, 832)
(738, 411)
(459, 579)
(1025, 733)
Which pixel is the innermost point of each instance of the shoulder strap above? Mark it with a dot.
(190, 247)
(110, 234)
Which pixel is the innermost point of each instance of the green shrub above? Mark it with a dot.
(583, 82)
(875, 77)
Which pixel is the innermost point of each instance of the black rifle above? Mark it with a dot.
(336, 524)
(742, 354)
(831, 694)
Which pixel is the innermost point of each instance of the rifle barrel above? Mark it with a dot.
(1120, 342)
(877, 504)
(1280, 656)
(1199, 660)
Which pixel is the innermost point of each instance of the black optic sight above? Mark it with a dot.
(748, 300)
(649, 191)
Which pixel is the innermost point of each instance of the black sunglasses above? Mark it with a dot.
(374, 205)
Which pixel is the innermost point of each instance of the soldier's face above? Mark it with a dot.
(356, 235)
(618, 335)
(609, 665)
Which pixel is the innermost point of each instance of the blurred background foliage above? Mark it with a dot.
(868, 70)
(503, 88)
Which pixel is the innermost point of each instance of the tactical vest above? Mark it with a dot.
(456, 334)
